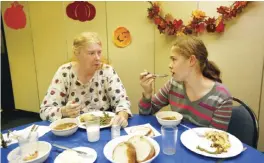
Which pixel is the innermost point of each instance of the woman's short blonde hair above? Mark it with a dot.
(86, 39)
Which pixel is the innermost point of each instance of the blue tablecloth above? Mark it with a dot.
(183, 155)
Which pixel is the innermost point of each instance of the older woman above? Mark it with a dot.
(86, 84)
(195, 89)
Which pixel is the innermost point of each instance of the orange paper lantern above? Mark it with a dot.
(122, 37)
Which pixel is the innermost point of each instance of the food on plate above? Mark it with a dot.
(125, 152)
(144, 150)
(220, 141)
(142, 130)
(104, 120)
(86, 117)
(31, 156)
(169, 118)
(65, 126)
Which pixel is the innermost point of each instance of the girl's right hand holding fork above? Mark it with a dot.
(146, 80)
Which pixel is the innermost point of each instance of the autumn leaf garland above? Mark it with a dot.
(199, 21)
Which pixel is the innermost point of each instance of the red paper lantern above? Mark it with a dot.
(15, 16)
(82, 11)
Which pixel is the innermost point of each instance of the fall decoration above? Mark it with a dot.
(121, 37)
(15, 16)
(199, 22)
(81, 10)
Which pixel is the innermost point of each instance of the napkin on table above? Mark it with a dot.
(41, 131)
(130, 130)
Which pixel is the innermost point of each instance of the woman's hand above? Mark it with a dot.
(71, 110)
(120, 119)
(146, 80)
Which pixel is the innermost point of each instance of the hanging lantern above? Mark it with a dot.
(82, 11)
(15, 16)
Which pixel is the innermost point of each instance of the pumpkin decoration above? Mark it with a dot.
(122, 37)
(80, 10)
(15, 16)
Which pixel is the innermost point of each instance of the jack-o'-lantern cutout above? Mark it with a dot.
(81, 10)
(122, 37)
(15, 16)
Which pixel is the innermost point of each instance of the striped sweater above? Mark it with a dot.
(212, 110)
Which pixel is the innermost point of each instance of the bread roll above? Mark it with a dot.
(144, 149)
(124, 153)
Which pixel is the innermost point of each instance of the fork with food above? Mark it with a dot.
(145, 73)
(146, 80)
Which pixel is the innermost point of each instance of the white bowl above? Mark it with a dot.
(44, 149)
(66, 132)
(163, 114)
(110, 146)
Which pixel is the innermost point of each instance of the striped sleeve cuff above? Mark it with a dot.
(144, 106)
(145, 103)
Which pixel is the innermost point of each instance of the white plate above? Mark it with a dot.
(190, 140)
(110, 146)
(90, 151)
(96, 113)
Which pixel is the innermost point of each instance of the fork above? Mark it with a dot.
(79, 152)
(32, 129)
(197, 133)
(36, 128)
(160, 76)
(157, 75)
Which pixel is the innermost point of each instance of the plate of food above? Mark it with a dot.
(105, 118)
(131, 148)
(211, 142)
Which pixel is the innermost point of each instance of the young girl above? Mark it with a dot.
(195, 89)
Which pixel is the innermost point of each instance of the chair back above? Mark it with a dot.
(244, 124)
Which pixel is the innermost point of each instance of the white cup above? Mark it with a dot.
(28, 145)
(93, 129)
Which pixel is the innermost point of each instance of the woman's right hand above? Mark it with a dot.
(146, 80)
(71, 110)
